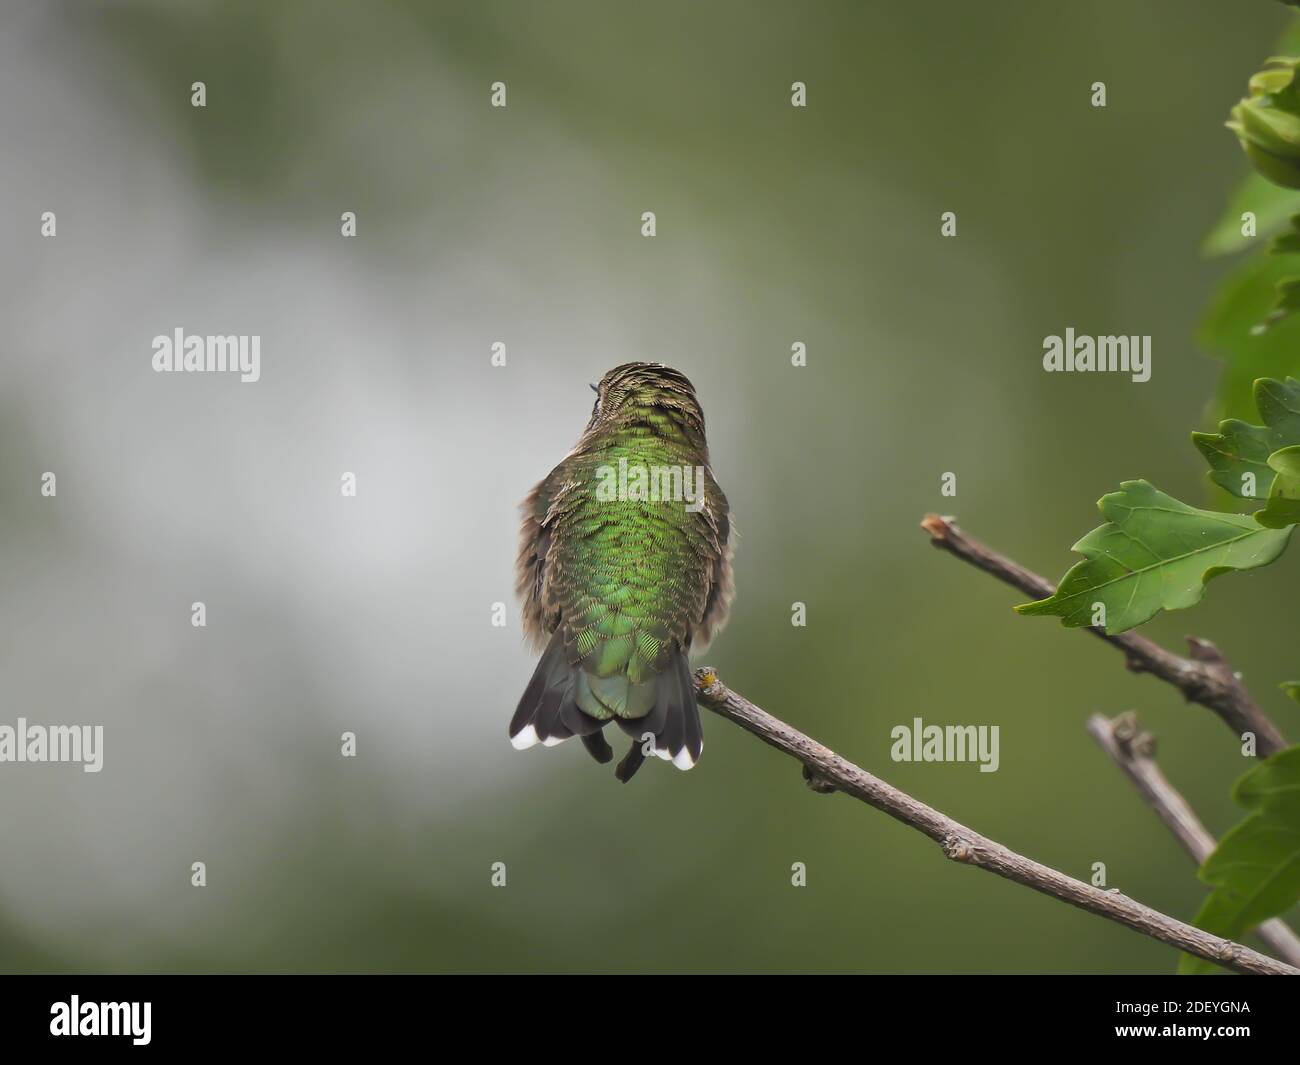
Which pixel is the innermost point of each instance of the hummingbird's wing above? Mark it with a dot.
(716, 519)
(534, 543)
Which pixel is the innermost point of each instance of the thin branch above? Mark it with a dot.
(1133, 750)
(1204, 678)
(826, 771)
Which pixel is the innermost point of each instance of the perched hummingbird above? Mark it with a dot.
(624, 568)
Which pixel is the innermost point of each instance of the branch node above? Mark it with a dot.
(1124, 728)
(706, 681)
(1229, 952)
(958, 848)
(817, 782)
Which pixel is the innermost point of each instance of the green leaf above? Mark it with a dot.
(1239, 452)
(1153, 554)
(1289, 42)
(1288, 241)
(1284, 499)
(1272, 205)
(1255, 869)
(1246, 296)
(1286, 302)
(1230, 330)
(1286, 292)
(1292, 688)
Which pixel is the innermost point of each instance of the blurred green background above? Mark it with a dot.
(521, 225)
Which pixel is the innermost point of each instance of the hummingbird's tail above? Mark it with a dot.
(673, 722)
(549, 713)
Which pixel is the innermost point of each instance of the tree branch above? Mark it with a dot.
(826, 771)
(1133, 750)
(1204, 678)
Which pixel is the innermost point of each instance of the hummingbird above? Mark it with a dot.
(624, 568)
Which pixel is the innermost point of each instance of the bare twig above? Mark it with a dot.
(1205, 677)
(826, 771)
(1133, 750)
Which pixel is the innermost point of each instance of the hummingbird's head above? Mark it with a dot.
(651, 394)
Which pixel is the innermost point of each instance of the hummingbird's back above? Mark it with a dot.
(625, 563)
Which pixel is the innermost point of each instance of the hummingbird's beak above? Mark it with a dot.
(593, 386)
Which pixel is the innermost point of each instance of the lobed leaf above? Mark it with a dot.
(1154, 553)
(1239, 452)
(1283, 507)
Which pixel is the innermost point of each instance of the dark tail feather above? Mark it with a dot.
(598, 747)
(532, 696)
(575, 720)
(692, 729)
(674, 721)
(546, 719)
(672, 738)
(626, 769)
(547, 712)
